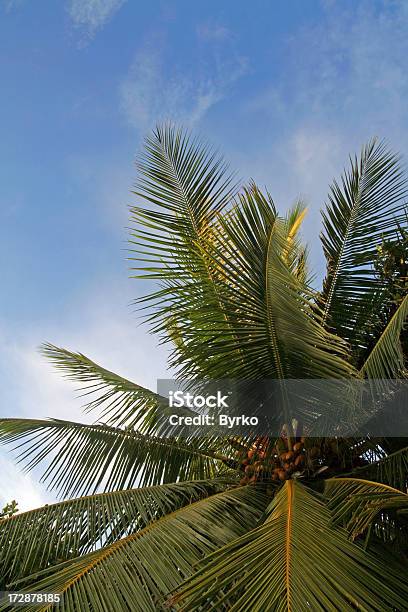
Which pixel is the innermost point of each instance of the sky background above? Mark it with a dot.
(286, 89)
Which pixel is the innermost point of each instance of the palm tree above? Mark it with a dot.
(153, 520)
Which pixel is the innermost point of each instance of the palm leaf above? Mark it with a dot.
(122, 402)
(271, 308)
(363, 210)
(83, 458)
(294, 561)
(269, 311)
(386, 359)
(34, 540)
(392, 469)
(188, 186)
(138, 571)
(227, 273)
(295, 252)
(369, 508)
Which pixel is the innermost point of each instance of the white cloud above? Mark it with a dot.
(155, 91)
(92, 15)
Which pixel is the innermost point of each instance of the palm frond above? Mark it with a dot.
(386, 359)
(295, 252)
(138, 571)
(228, 271)
(391, 469)
(369, 509)
(34, 540)
(186, 186)
(271, 309)
(268, 313)
(295, 561)
(85, 458)
(121, 401)
(364, 209)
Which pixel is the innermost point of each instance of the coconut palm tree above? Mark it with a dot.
(152, 520)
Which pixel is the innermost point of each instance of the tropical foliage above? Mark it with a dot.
(150, 520)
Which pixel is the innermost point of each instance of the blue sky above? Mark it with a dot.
(286, 89)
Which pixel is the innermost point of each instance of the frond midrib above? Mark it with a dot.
(105, 553)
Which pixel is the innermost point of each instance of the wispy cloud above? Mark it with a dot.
(347, 71)
(9, 5)
(213, 31)
(87, 15)
(154, 90)
(92, 15)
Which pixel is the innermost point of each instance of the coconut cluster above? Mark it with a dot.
(276, 463)
(283, 459)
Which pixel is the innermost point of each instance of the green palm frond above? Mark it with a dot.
(227, 272)
(139, 570)
(188, 186)
(363, 210)
(269, 327)
(272, 311)
(85, 458)
(217, 341)
(369, 508)
(121, 401)
(354, 502)
(387, 359)
(295, 561)
(34, 540)
(391, 469)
